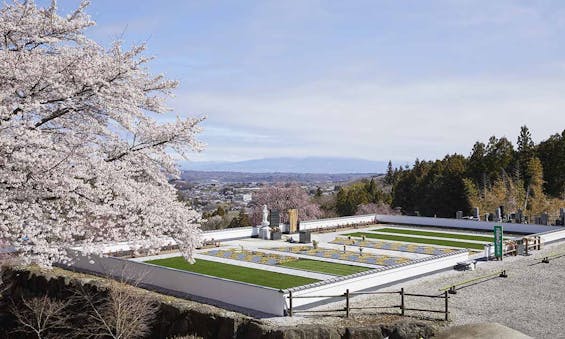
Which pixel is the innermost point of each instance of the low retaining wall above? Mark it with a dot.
(333, 222)
(555, 235)
(461, 223)
(371, 280)
(211, 289)
(228, 234)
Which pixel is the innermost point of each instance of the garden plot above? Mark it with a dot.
(435, 234)
(419, 240)
(393, 246)
(271, 259)
(359, 257)
(235, 272)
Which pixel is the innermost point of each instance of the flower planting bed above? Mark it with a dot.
(235, 272)
(449, 235)
(366, 258)
(259, 257)
(393, 246)
(413, 239)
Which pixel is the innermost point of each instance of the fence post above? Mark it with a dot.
(446, 296)
(290, 303)
(347, 303)
(402, 306)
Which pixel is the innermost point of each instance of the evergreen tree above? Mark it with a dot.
(551, 153)
(318, 192)
(525, 153)
(242, 220)
(389, 177)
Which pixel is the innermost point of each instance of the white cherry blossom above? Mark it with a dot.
(83, 158)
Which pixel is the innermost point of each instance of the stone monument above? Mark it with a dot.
(265, 231)
(498, 214)
(520, 217)
(476, 213)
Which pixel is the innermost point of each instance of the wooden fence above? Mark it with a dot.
(348, 307)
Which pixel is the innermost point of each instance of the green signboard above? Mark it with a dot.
(498, 241)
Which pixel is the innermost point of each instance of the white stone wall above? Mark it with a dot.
(333, 222)
(374, 279)
(226, 234)
(259, 298)
(459, 223)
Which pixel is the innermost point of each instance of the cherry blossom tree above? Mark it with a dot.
(283, 198)
(375, 208)
(83, 156)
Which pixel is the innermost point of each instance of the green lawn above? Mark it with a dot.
(440, 242)
(324, 267)
(436, 234)
(233, 272)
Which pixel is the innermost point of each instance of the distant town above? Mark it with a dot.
(205, 191)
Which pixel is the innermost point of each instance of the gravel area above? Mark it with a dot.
(531, 300)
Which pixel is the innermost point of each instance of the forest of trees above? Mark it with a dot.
(530, 177)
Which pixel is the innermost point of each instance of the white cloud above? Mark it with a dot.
(382, 120)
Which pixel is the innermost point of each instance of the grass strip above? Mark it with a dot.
(427, 241)
(324, 267)
(234, 272)
(436, 234)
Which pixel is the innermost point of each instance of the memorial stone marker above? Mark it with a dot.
(274, 218)
(476, 213)
(520, 216)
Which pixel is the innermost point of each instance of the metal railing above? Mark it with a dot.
(347, 309)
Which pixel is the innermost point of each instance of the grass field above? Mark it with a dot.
(324, 267)
(441, 242)
(233, 272)
(436, 234)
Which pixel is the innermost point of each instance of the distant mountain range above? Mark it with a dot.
(242, 177)
(327, 165)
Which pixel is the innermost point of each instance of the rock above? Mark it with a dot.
(481, 331)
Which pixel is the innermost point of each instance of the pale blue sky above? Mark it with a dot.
(371, 79)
